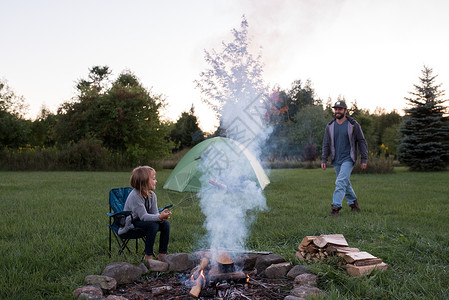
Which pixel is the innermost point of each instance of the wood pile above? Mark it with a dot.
(320, 248)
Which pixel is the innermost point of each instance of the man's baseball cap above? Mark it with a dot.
(340, 104)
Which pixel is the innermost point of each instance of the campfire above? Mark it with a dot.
(220, 272)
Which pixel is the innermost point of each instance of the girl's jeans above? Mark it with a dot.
(343, 185)
(151, 229)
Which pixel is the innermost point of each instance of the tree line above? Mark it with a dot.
(107, 121)
(117, 124)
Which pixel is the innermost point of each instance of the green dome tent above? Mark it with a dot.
(186, 175)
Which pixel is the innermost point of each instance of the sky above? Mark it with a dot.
(369, 52)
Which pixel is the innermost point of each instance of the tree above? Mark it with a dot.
(233, 86)
(366, 121)
(42, 129)
(293, 127)
(125, 118)
(386, 131)
(186, 133)
(308, 130)
(425, 133)
(14, 129)
(97, 77)
(300, 96)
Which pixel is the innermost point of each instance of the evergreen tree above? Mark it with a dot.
(186, 132)
(425, 133)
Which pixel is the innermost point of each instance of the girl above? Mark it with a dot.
(142, 202)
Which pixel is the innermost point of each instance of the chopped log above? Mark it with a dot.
(300, 255)
(200, 280)
(308, 256)
(367, 262)
(224, 259)
(215, 274)
(197, 270)
(358, 271)
(332, 249)
(160, 290)
(196, 289)
(307, 240)
(351, 257)
(336, 239)
(312, 248)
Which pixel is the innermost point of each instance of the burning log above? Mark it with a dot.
(221, 268)
(200, 280)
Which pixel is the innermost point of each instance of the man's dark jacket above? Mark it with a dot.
(356, 140)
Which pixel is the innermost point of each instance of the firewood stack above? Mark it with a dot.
(320, 248)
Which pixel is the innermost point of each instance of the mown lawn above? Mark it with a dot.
(53, 229)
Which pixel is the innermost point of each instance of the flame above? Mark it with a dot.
(203, 279)
(247, 278)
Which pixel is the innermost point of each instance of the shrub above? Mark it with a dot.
(87, 154)
(84, 155)
(377, 165)
(309, 152)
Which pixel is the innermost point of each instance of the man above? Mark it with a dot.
(342, 137)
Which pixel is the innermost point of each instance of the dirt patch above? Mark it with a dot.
(173, 286)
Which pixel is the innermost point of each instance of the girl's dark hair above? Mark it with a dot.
(140, 179)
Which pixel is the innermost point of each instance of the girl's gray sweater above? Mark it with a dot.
(141, 209)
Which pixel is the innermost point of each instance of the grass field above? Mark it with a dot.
(53, 229)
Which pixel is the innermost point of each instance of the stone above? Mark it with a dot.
(297, 270)
(157, 266)
(291, 297)
(84, 296)
(306, 279)
(305, 291)
(199, 255)
(276, 271)
(115, 297)
(246, 262)
(263, 261)
(178, 262)
(143, 268)
(123, 272)
(106, 283)
(89, 289)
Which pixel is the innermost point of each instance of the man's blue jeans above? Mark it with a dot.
(343, 185)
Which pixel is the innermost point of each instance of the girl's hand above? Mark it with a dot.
(165, 215)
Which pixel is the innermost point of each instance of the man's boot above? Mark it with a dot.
(334, 211)
(355, 206)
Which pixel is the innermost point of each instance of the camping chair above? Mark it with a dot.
(117, 199)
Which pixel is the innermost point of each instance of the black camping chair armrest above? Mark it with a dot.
(120, 213)
(119, 217)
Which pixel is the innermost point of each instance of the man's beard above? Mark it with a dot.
(339, 115)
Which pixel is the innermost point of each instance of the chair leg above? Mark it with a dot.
(123, 244)
(110, 242)
(123, 247)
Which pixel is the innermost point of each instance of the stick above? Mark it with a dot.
(253, 281)
(185, 199)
